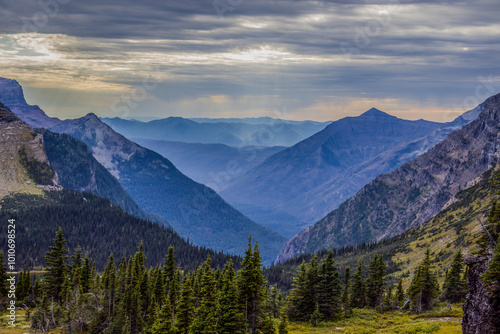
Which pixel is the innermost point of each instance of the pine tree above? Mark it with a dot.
(205, 321)
(299, 306)
(424, 287)
(345, 295)
(185, 308)
(375, 281)
(85, 277)
(169, 268)
(231, 319)
(252, 287)
(283, 326)
(358, 294)
(164, 323)
(400, 294)
(329, 291)
(56, 267)
(108, 286)
(454, 287)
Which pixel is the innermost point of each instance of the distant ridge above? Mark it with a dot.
(415, 192)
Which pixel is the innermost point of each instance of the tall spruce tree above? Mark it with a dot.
(424, 287)
(231, 318)
(206, 318)
(329, 291)
(299, 305)
(358, 294)
(400, 293)
(252, 287)
(455, 287)
(56, 267)
(375, 282)
(185, 308)
(163, 324)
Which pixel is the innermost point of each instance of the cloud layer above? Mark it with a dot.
(316, 59)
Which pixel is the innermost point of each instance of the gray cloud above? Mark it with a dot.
(418, 53)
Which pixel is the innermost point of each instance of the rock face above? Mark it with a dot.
(19, 145)
(413, 193)
(478, 309)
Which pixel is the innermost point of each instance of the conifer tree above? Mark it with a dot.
(231, 319)
(424, 287)
(56, 267)
(345, 295)
(400, 294)
(454, 286)
(299, 306)
(85, 277)
(108, 286)
(358, 294)
(252, 287)
(329, 291)
(185, 308)
(312, 274)
(283, 325)
(163, 324)
(169, 268)
(375, 281)
(206, 319)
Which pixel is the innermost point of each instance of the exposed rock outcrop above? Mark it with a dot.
(479, 310)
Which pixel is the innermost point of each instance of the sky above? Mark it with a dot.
(318, 60)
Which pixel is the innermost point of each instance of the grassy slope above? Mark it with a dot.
(369, 321)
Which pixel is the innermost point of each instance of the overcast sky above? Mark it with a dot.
(319, 60)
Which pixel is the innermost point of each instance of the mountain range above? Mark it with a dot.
(246, 132)
(214, 165)
(410, 195)
(301, 184)
(153, 182)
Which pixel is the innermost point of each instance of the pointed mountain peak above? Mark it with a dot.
(90, 116)
(374, 112)
(11, 92)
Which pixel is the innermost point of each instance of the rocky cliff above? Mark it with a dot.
(479, 310)
(23, 162)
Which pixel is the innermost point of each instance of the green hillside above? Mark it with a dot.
(456, 227)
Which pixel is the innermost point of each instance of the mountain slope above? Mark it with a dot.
(98, 226)
(455, 227)
(23, 163)
(270, 132)
(413, 193)
(213, 165)
(79, 170)
(195, 211)
(314, 176)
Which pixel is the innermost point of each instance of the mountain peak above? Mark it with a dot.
(11, 92)
(374, 112)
